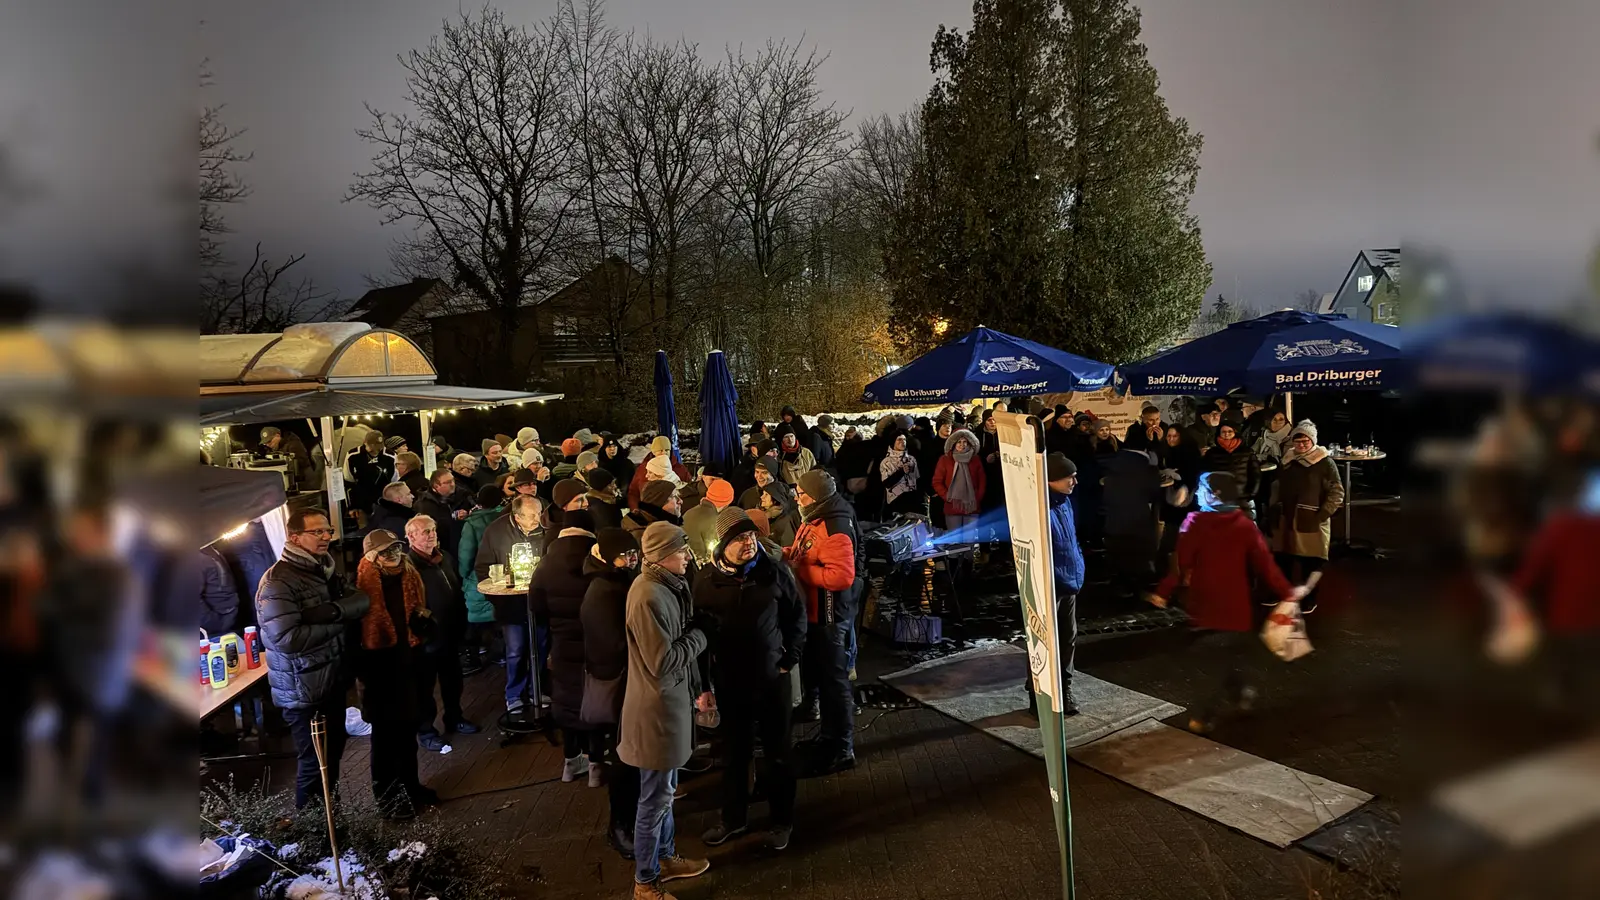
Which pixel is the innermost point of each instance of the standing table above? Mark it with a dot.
(1349, 461)
(502, 589)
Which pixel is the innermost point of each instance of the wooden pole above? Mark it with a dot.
(319, 735)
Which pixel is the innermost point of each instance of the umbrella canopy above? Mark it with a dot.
(984, 363)
(1507, 351)
(1287, 351)
(666, 409)
(719, 418)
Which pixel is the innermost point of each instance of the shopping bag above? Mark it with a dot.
(1285, 630)
(1515, 633)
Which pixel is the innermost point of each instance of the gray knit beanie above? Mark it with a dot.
(661, 540)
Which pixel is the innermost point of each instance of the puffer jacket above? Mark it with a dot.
(1242, 465)
(944, 472)
(219, 595)
(827, 556)
(1066, 557)
(761, 621)
(556, 598)
(479, 610)
(306, 639)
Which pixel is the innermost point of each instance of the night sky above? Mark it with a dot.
(1330, 125)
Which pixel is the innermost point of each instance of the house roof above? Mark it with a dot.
(629, 273)
(1386, 260)
(384, 307)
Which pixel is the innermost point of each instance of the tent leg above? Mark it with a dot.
(429, 460)
(334, 512)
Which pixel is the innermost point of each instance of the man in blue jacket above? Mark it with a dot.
(1066, 559)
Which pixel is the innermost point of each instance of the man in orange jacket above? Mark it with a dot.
(826, 557)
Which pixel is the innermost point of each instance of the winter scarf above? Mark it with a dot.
(1230, 444)
(1269, 447)
(892, 464)
(962, 491)
(1311, 457)
(377, 629)
(304, 558)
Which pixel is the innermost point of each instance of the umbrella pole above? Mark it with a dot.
(1288, 406)
(425, 417)
(319, 735)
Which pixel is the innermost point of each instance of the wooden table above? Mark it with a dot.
(212, 700)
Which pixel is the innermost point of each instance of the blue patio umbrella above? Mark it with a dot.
(984, 363)
(1507, 351)
(666, 409)
(1282, 352)
(719, 417)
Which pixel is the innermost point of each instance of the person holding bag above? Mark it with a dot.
(1309, 492)
(1220, 558)
(612, 565)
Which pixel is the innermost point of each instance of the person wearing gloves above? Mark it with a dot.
(1066, 563)
(660, 448)
(438, 659)
(396, 625)
(665, 639)
(660, 503)
(556, 599)
(1220, 561)
(303, 611)
(760, 634)
(827, 558)
(521, 526)
(1309, 492)
(612, 565)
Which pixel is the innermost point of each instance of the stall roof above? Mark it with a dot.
(327, 369)
(316, 401)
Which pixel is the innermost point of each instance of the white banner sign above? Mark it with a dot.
(1122, 411)
(1022, 470)
(335, 487)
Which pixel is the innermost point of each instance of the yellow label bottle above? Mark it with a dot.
(217, 660)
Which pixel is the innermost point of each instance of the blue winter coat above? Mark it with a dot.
(1066, 555)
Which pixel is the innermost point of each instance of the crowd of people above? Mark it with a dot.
(663, 602)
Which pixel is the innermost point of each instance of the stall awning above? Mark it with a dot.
(316, 401)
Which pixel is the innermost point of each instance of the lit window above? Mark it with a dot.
(1364, 284)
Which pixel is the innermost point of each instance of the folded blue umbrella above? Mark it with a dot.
(719, 417)
(666, 409)
(1281, 352)
(984, 363)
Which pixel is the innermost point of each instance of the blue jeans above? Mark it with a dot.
(654, 832)
(518, 680)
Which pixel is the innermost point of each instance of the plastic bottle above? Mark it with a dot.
(217, 660)
(252, 648)
(233, 653)
(205, 662)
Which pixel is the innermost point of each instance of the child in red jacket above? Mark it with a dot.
(1220, 557)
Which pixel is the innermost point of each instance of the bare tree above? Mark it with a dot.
(221, 183)
(261, 298)
(1308, 300)
(778, 141)
(887, 150)
(482, 166)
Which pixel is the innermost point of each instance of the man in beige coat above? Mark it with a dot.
(657, 731)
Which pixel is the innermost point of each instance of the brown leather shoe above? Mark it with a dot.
(675, 867)
(650, 892)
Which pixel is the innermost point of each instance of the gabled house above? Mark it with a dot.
(563, 339)
(402, 307)
(1370, 291)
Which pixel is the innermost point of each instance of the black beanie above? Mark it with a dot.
(490, 496)
(600, 479)
(578, 518)
(613, 542)
(1057, 466)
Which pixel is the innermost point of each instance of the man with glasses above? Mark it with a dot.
(760, 634)
(302, 608)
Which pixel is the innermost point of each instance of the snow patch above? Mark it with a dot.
(413, 850)
(321, 883)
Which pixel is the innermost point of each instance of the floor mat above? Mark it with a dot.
(1533, 799)
(1266, 800)
(983, 687)
(1367, 842)
(1116, 732)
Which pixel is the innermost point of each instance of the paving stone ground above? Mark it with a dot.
(938, 810)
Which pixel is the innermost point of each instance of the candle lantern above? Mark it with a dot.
(523, 562)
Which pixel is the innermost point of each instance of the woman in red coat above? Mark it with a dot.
(1557, 576)
(661, 445)
(959, 481)
(1220, 558)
